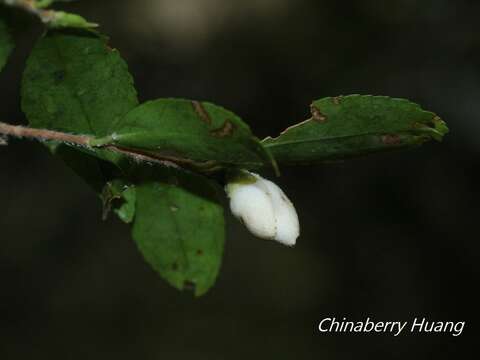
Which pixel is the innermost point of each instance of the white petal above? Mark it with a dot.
(288, 225)
(264, 208)
(253, 207)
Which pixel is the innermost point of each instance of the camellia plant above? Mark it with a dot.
(163, 166)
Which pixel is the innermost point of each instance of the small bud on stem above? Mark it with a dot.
(263, 207)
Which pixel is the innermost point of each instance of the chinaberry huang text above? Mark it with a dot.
(417, 325)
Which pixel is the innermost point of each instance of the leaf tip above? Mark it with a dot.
(440, 127)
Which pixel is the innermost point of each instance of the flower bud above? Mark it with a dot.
(263, 207)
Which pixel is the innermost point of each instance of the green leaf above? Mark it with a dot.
(6, 44)
(354, 125)
(200, 135)
(179, 228)
(75, 83)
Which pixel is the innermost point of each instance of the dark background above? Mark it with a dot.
(391, 236)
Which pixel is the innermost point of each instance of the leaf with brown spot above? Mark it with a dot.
(391, 139)
(201, 112)
(226, 130)
(195, 132)
(317, 114)
(356, 125)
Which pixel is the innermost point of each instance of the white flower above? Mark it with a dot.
(264, 208)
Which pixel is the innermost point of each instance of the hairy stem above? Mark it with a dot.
(7, 130)
(42, 134)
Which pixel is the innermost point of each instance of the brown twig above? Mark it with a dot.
(42, 134)
(7, 130)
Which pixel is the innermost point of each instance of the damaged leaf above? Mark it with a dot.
(348, 126)
(203, 136)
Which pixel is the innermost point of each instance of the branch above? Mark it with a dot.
(7, 130)
(31, 7)
(41, 134)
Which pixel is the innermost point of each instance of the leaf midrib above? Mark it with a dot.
(279, 142)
